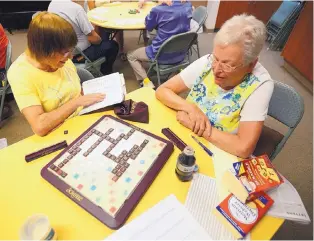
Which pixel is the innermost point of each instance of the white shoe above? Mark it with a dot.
(147, 83)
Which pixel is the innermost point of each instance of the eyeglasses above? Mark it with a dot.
(67, 53)
(226, 68)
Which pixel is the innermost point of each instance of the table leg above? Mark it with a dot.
(119, 37)
(145, 37)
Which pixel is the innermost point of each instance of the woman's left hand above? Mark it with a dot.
(199, 119)
(208, 131)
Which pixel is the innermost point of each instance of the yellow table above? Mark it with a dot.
(24, 192)
(116, 15)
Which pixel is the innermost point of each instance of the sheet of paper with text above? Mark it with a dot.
(202, 199)
(167, 220)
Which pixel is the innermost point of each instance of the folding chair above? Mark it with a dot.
(287, 107)
(141, 34)
(84, 74)
(199, 15)
(5, 83)
(149, 36)
(180, 43)
(92, 66)
(281, 23)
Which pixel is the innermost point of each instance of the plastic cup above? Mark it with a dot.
(37, 227)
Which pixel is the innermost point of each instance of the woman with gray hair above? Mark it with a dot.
(229, 89)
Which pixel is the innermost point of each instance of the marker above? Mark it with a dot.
(202, 145)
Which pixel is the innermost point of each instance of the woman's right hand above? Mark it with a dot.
(89, 99)
(168, 2)
(141, 3)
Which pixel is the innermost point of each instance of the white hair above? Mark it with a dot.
(245, 30)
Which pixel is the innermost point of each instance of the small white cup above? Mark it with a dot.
(37, 227)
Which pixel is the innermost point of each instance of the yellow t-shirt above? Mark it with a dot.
(32, 86)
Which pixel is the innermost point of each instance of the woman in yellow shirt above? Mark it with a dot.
(44, 80)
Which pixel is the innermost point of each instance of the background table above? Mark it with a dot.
(24, 192)
(120, 12)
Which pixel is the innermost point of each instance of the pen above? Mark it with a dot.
(203, 146)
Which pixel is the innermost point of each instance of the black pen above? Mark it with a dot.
(202, 145)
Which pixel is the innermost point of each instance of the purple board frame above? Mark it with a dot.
(121, 216)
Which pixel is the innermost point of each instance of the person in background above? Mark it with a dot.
(169, 20)
(89, 41)
(119, 36)
(141, 3)
(229, 89)
(194, 26)
(4, 41)
(44, 80)
(96, 3)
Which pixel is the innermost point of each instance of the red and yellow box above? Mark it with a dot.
(241, 217)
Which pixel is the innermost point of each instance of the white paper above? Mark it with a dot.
(99, 18)
(202, 199)
(111, 85)
(100, 10)
(99, 14)
(167, 220)
(3, 143)
(222, 162)
(123, 83)
(288, 203)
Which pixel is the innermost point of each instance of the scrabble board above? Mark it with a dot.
(108, 168)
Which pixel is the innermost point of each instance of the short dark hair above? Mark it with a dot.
(48, 33)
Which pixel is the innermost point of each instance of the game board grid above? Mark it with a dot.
(130, 166)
